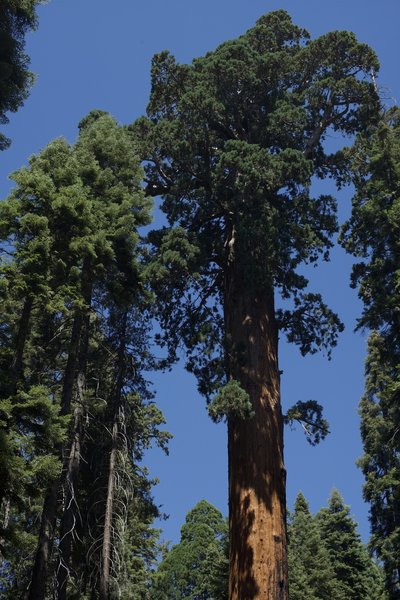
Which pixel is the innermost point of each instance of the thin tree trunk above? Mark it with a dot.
(257, 500)
(72, 361)
(37, 589)
(69, 515)
(108, 518)
(40, 570)
(6, 520)
(104, 586)
(68, 520)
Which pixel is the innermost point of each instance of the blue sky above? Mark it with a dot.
(95, 54)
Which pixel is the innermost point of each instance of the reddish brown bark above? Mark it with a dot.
(257, 499)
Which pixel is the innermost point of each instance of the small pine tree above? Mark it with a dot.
(353, 568)
(190, 568)
(311, 575)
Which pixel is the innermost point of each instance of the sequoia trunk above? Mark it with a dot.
(257, 498)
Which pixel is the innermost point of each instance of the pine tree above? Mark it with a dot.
(189, 568)
(380, 420)
(372, 235)
(354, 571)
(318, 545)
(311, 575)
(73, 348)
(31, 423)
(231, 143)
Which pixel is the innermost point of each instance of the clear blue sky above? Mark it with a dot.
(95, 54)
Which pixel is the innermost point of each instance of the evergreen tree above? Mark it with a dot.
(318, 545)
(372, 235)
(189, 568)
(73, 349)
(17, 17)
(31, 424)
(311, 574)
(231, 143)
(356, 576)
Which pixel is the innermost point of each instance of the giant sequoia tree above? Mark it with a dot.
(372, 234)
(231, 143)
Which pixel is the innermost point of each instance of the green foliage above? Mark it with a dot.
(309, 414)
(191, 568)
(326, 556)
(372, 231)
(380, 418)
(312, 325)
(231, 143)
(71, 261)
(372, 235)
(17, 18)
(311, 575)
(231, 402)
(356, 576)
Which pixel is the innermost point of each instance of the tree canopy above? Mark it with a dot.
(190, 568)
(232, 142)
(17, 17)
(76, 409)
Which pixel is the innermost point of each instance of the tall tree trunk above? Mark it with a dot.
(72, 361)
(257, 498)
(40, 570)
(70, 511)
(37, 588)
(104, 585)
(6, 520)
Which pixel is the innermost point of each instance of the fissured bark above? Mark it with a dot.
(257, 498)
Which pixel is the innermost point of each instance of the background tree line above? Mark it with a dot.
(326, 557)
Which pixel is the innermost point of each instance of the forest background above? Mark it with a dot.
(93, 54)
